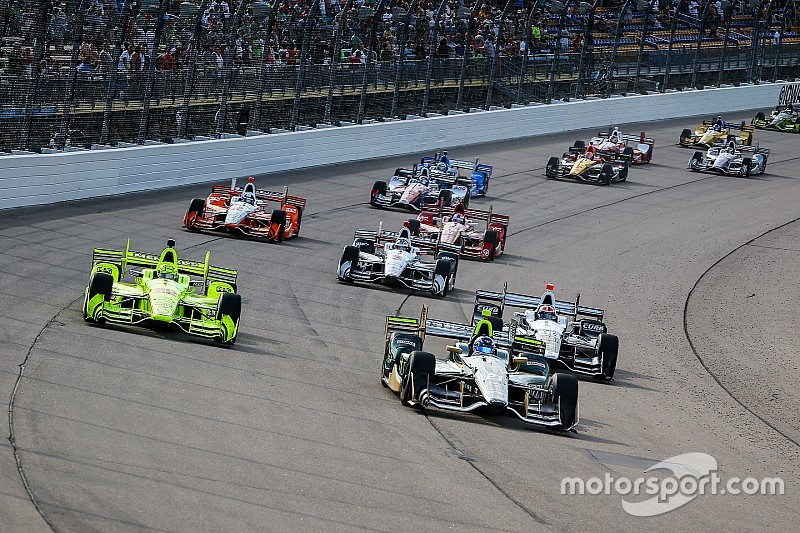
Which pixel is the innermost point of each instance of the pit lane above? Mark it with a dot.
(133, 430)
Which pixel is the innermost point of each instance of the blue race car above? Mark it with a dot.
(441, 163)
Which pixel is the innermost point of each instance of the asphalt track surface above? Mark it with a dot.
(118, 430)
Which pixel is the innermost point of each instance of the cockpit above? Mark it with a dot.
(248, 194)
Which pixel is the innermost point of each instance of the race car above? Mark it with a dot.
(638, 147)
(731, 159)
(782, 118)
(480, 174)
(455, 227)
(574, 336)
(717, 131)
(587, 163)
(479, 373)
(394, 257)
(418, 188)
(246, 211)
(198, 298)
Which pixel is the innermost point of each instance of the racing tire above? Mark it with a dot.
(485, 185)
(491, 237)
(100, 283)
(453, 259)
(196, 208)
(421, 368)
(564, 394)
(351, 254)
(760, 116)
(230, 304)
(445, 198)
(623, 174)
(444, 267)
(551, 170)
(695, 161)
(365, 245)
(606, 174)
(279, 217)
(686, 134)
(628, 151)
(579, 144)
(413, 226)
(746, 162)
(378, 188)
(607, 349)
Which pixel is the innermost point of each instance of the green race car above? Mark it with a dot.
(197, 297)
(783, 118)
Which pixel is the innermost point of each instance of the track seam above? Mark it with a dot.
(11, 434)
(536, 518)
(694, 350)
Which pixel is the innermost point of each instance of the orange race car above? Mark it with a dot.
(246, 210)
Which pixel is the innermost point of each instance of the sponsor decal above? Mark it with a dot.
(405, 342)
(591, 326)
(790, 94)
(532, 362)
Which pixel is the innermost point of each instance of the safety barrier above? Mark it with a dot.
(37, 179)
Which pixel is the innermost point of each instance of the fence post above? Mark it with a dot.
(673, 26)
(151, 70)
(560, 9)
(696, 64)
(524, 62)
(362, 102)
(645, 8)
(496, 56)
(191, 70)
(337, 47)
(727, 12)
(219, 127)
(588, 45)
(401, 56)
(470, 31)
(113, 74)
(77, 38)
(779, 45)
(38, 52)
(429, 70)
(617, 33)
(308, 29)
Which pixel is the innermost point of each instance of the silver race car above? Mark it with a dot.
(573, 335)
(394, 256)
(478, 373)
(731, 159)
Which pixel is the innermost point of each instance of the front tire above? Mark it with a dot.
(277, 221)
(606, 173)
(351, 254)
(607, 349)
(445, 198)
(551, 170)
(564, 394)
(102, 284)
(421, 369)
(378, 188)
(196, 209)
(747, 162)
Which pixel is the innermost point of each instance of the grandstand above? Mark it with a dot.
(81, 73)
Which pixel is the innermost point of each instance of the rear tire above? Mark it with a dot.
(100, 283)
(230, 304)
(279, 217)
(351, 254)
(421, 369)
(606, 173)
(378, 188)
(551, 170)
(413, 226)
(579, 144)
(445, 198)
(607, 349)
(564, 393)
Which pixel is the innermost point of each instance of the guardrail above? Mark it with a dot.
(35, 179)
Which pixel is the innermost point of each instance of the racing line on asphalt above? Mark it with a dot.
(697, 355)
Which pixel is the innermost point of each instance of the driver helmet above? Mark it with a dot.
(484, 345)
(732, 146)
(458, 218)
(403, 244)
(590, 150)
(615, 135)
(718, 123)
(167, 271)
(546, 312)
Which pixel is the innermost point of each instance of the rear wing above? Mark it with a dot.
(731, 126)
(464, 332)
(496, 302)
(283, 198)
(407, 325)
(472, 214)
(641, 138)
(131, 258)
(383, 236)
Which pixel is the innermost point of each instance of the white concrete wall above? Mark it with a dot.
(42, 179)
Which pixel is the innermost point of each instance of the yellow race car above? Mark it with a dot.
(717, 131)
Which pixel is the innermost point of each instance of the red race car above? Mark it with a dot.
(454, 229)
(246, 210)
(638, 147)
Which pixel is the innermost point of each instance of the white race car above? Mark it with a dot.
(479, 373)
(638, 147)
(391, 256)
(583, 345)
(731, 159)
